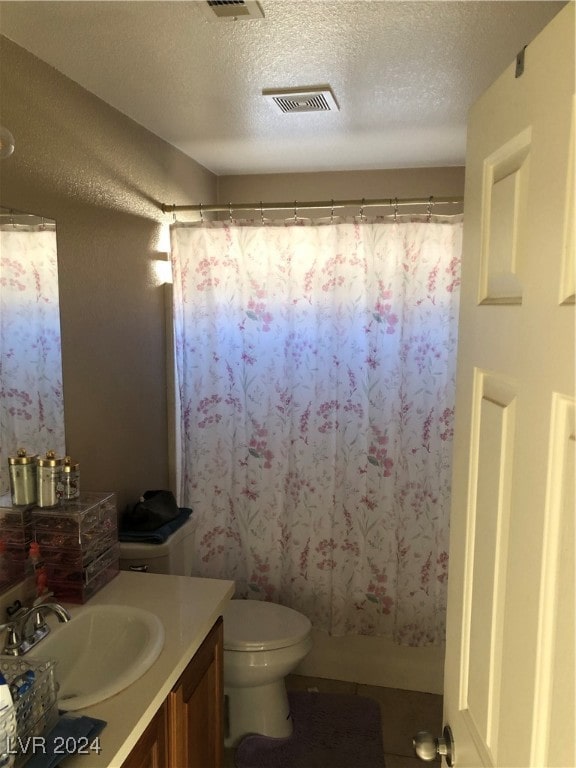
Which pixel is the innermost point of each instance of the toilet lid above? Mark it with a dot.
(253, 625)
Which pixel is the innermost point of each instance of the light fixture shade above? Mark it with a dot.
(6, 143)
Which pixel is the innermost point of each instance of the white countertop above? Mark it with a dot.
(188, 608)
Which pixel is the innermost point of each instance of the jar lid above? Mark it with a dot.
(69, 465)
(50, 460)
(22, 458)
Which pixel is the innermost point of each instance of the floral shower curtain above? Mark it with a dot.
(316, 376)
(31, 399)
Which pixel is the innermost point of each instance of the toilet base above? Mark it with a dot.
(260, 709)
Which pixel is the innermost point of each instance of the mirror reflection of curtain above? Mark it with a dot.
(316, 371)
(31, 397)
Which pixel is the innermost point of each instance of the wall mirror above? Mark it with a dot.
(31, 396)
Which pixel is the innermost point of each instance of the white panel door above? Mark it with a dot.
(509, 680)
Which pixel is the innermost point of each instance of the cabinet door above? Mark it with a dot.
(150, 750)
(195, 708)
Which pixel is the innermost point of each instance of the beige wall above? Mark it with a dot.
(340, 185)
(98, 174)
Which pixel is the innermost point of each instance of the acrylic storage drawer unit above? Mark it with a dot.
(72, 585)
(79, 545)
(68, 525)
(76, 558)
(35, 704)
(14, 517)
(16, 534)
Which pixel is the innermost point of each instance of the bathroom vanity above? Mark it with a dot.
(187, 729)
(172, 714)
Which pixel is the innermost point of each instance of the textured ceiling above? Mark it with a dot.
(403, 73)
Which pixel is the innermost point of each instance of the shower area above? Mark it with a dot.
(315, 380)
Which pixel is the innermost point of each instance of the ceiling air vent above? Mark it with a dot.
(318, 99)
(231, 10)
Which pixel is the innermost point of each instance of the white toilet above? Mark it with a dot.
(263, 642)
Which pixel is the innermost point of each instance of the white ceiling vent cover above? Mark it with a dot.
(231, 10)
(318, 99)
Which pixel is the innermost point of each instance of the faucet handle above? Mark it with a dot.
(13, 639)
(11, 628)
(39, 620)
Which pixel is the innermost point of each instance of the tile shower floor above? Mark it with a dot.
(403, 714)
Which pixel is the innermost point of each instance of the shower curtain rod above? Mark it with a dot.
(295, 205)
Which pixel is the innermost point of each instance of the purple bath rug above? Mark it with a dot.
(331, 730)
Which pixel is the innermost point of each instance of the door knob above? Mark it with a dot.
(429, 748)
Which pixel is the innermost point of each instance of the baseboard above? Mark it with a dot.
(375, 661)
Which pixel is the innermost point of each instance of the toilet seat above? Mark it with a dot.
(254, 625)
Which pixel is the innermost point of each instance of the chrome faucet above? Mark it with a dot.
(29, 627)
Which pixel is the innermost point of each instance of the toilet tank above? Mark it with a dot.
(175, 556)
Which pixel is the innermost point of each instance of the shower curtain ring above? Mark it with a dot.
(201, 215)
(429, 209)
(395, 210)
(362, 210)
(261, 213)
(230, 212)
(295, 211)
(332, 213)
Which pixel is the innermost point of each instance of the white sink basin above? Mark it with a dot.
(101, 651)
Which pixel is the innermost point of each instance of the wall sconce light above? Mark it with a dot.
(162, 271)
(6, 143)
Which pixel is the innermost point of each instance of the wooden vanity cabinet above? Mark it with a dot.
(188, 730)
(151, 749)
(195, 708)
